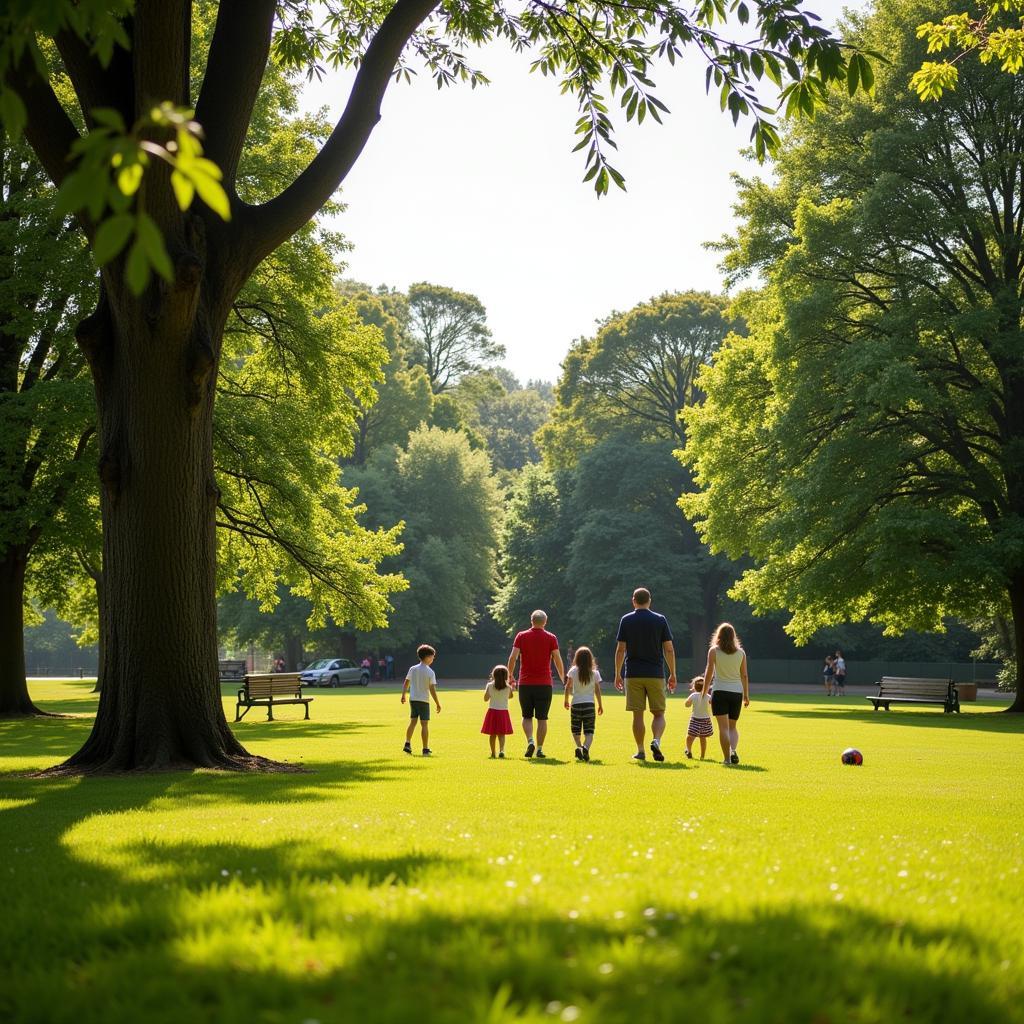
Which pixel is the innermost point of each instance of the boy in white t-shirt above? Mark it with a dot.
(421, 684)
(700, 717)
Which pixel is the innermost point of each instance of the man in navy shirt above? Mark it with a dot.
(643, 642)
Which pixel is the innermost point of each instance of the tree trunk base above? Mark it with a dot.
(77, 766)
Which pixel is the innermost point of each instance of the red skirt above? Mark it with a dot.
(497, 723)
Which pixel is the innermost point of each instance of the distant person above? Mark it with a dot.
(366, 665)
(382, 667)
(700, 717)
(840, 669)
(643, 644)
(570, 653)
(583, 684)
(278, 665)
(537, 648)
(828, 673)
(725, 678)
(389, 664)
(497, 722)
(421, 684)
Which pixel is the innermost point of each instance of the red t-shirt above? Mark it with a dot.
(535, 646)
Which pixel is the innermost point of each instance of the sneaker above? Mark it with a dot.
(540, 753)
(579, 753)
(689, 755)
(734, 757)
(408, 748)
(639, 756)
(502, 754)
(427, 751)
(586, 754)
(656, 752)
(530, 748)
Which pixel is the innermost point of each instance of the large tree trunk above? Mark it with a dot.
(160, 706)
(293, 651)
(702, 621)
(1017, 607)
(14, 698)
(98, 583)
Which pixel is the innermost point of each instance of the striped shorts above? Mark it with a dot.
(700, 727)
(582, 718)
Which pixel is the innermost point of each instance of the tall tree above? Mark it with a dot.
(865, 445)
(154, 348)
(449, 329)
(47, 420)
(444, 493)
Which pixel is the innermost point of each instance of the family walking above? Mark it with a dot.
(643, 647)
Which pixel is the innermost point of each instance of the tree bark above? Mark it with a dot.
(14, 698)
(98, 583)
(1017, 607)
(153, 366)
(293, 651)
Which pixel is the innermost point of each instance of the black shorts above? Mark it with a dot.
(582, 718)
(725, 702)
(535, 700)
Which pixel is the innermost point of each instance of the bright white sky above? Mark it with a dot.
(479, 190)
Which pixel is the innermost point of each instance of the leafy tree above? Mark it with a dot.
(47, 420)
(509, 424)
(864, 444)
(443, 492)
(450, 332)
(155, 346)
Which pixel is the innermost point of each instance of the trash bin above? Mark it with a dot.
(967, 691)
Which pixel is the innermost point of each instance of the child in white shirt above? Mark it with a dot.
(583, 681)
(700, 717)
(420, 684)
(497, 722)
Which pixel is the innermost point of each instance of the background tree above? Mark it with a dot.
(450, 333)
(154, 350)
(47, 420)
(444, 493)
(865, 444)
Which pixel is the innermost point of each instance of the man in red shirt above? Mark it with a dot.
(537, 648)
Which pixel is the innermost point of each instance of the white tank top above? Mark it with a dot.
(499, 698)
(727, 670)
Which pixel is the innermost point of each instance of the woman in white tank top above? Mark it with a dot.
(726, 679)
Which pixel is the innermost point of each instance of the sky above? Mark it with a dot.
(479, 190)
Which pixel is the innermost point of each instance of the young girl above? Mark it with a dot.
(700, 717)
(583, 681)
(497, 722)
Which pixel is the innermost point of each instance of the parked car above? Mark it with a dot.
(334, 672)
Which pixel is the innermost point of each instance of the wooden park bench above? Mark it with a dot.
(268, 690)
(232, 669)
(902, 690)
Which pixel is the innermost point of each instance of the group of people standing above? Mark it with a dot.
(380, 667)
(643, 648)
(834, 673)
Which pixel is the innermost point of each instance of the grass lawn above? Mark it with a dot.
(379, 887)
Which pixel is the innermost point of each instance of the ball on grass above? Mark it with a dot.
(852, 756)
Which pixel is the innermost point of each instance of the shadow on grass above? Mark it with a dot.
(978, 721)
(665, 766)
(238, 931)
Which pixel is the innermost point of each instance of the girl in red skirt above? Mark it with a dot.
(497, 722)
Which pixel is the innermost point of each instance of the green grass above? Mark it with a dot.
(379, 887)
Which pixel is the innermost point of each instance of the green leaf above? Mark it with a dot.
(136, 269)
(148, 236)
(209, 187)
(112, 236)
(13, 115)
(129, 178)
(184, 190)
(853, 74)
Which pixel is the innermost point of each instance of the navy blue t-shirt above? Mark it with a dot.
(644, 632)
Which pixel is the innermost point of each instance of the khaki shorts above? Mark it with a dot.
(642, 692)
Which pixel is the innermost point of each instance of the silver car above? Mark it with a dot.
(334, 672)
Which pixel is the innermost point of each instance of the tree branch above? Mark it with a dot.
(234, 71)
(96, 86)
(50, 132)
(272, 223)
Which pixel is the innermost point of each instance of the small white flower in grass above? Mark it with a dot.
(650, 912)
(901, 874)
(554, 1007)
(619, 914)
(593, 871)
(834, 886)
(510, 883)
(573, 914)
(224, 872)
(606, 968)
(537, 879)
(694, 895)
(571, 1013)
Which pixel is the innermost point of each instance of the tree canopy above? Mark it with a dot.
(863, 444)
